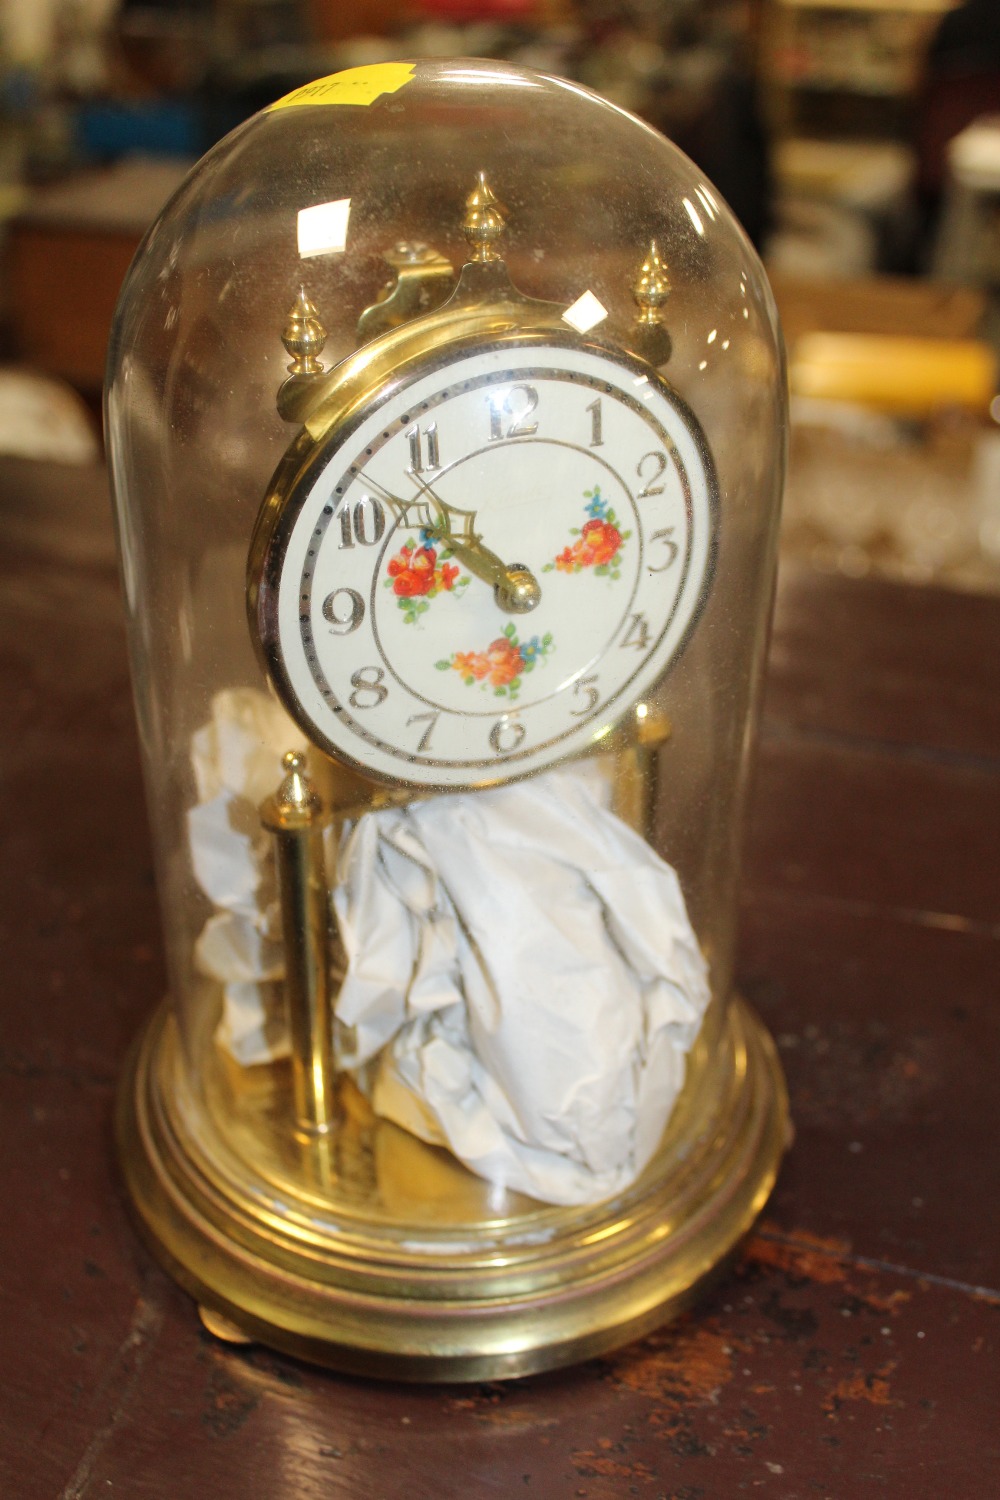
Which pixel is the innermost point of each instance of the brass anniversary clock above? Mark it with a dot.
(451, 1082)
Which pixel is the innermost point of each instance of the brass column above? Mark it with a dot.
(296, 816)
(637, 768)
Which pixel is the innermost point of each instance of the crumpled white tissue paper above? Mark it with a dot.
(522, 973)
(236, 759)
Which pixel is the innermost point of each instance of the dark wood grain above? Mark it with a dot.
(912, 667)
(852, 1351)
(803, 1376)
(907, 833)
(888, 1031)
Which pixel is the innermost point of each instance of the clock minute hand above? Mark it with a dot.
(401, 508)
(515, 588)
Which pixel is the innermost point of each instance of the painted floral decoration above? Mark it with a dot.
(417, 574)
(599, 541)
(503, 663)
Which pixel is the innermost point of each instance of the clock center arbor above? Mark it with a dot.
(446, 428)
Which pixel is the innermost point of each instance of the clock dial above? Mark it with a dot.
(566, 468)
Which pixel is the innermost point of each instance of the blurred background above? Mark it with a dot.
(857, 140)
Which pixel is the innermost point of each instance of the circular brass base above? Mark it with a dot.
(378, 1255)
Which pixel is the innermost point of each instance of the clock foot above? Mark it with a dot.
(221, 1327)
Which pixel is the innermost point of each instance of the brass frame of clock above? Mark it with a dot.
(311, 1229)
(485, 316)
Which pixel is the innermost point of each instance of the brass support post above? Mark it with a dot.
(296, 815)
(637, 769)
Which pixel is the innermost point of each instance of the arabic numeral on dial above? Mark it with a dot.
(672, 549)
(506, 734)
(596, 425)
(637, 634)
(510, 410)
(346, 528)
(650, 468)
(364, 524)
(585, 685)
(369, 691)
(430, 720)
(343, 610)
(369, 521)
(416, 441)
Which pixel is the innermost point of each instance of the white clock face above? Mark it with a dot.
(566, 461)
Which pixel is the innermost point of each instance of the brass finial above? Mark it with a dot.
(652, 288)
(485, 221)
(304, 337)
(296, 793)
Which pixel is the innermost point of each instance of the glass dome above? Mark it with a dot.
(465, 389)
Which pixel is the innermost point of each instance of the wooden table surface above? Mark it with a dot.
(854, 1349)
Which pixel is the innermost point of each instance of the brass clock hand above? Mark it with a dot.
(401, 508)
(515, 588)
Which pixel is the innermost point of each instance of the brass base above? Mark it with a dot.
(378, 1255)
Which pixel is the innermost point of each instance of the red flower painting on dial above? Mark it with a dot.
(418, 574)
(502, 664)
(599, 541)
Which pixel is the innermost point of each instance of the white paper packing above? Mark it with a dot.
(522, 974)
(236, 759)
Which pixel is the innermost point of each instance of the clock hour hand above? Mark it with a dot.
(515, 588)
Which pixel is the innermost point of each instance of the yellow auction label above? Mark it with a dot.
(353, 86)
